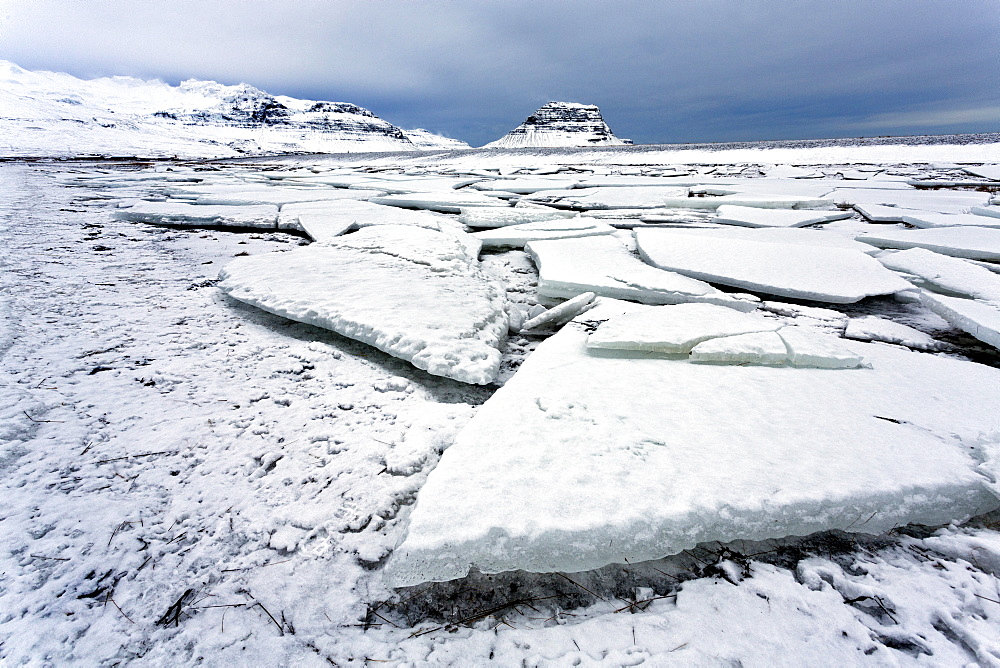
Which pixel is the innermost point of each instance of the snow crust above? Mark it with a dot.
(819, 273)
(695, 459)
(375, 285)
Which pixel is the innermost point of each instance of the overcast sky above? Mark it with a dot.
(714, 70)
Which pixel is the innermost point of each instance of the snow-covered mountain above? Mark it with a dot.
(56, 114)
(561, 124)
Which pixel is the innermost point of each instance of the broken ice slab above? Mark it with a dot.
(930, 219)
(675, 329)
(819, 273)
(323, 220)
(979, 318)
(411, 292)
(260, 216)
(524, 186)
(783, 235)
(270, 195)
(811, 347)
(655, 197)
(583, 460)
(516, 236)
(749, 216)
(445, 201)
(942, 273)
(924, 200)
(991, 172)
(974, 243)
(485, 216)
(873, 328)
(991, 211)
(602, 265)
(561, 314)
(762, 348)
(881, 213)
(792, 172)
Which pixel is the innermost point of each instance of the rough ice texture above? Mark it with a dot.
(873, 328)
(445, 201)
(497, 217)
(518, 235)
(981, 319)
(675, 329)
(991, 172)
(990, 211)
(261, 216)
(411, 292)
(781, 235)
(946, 274)
(561, 314)
(975, 243)
(766, 348)
(750, 216)
(923, 200)
(696, 453)
(602, 265)
(654, 197)
(836, 275)
(932, 219)
(808, 347)
(561, 124)
(880, 213)
(321, 220)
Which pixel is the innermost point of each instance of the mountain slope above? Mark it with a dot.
(561, 124)
(57, 115)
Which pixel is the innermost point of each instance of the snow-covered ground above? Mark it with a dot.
(189, 479)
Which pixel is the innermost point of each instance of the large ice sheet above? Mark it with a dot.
(411, 292)
(586, 459)
(518, 235)
(941, 202)
(782, 235)
(602, 265)
(445, 201)
(675, 329)
(750, 216)
(819, 273)
(974, 243)
(979, 318)
(991, 172)
(943, 273)
(931, 219)
(260, 216)
(486, 216)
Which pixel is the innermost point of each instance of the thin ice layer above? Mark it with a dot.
(260, 216)
(981, 319)
(583, 460)
(946, 274)
(602, 265)
(675, 329)
(517, 236)
(974, 243)
(750, 216)
(411, 292)
(836, 275)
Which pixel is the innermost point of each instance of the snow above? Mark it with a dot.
(602, 265)
(372, 286)
(675, 329)
(931, 219)
(981, 319)
(946, 274)
(496, 217)
(694, 457)
(818, 273)
(974, 243)
(765, 348)
(748, 216)
(874, 328)
(518, 235)
(260, 216)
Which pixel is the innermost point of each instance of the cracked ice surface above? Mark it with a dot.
(411, 292)
(696, 456)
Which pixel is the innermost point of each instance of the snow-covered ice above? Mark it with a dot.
(444, 201)
(812, 348)
(944, 273)
(748, 216)
(322, 220)
(561, 314)
(499, 217)
(766, 348)
(874, 328)
(991, 172)
(818, 273)
(979, 318)
(260, 216)
(974, 243)
(697, 452)
(931, 219)
(375, 286)
(518, 235)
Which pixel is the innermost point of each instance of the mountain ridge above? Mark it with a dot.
(560, 124)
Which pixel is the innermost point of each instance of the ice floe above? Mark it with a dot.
(697, 453)
(601, 264)
(819, 273)
(991, 172)
(414, 293)
(561, 314)
(874, 328)
(749, 216)
(445, 201)
(979, 318)
(517, 236)
(259, 216)
(761, 348)
(484, 216)
(323, 220)
(943, 273)
(975, 243)
(931, 219)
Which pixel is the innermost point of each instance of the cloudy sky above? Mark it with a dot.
(713, 70)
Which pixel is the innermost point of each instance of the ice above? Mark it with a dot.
(518, 235)
(881, 213)
(946, 274)
(792, 172)
(979, 318)
(940, 202)
(991, 172)
(992, 211)
(974, 243)
(445, 201)
(675, 329)
(560, 315)
(749, 216)
(524, 186)
(269, 195)
(836, 275)
(483, 216)
(810, 347)
(781, 235)
(326, 218)
(582, 460)
(264, 216)
(873, 328)
(930, 219)
(411, 292)
(765, 348)
(654, 197)
(569, 267)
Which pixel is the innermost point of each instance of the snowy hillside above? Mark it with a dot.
(561, 124)
(56, 114)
